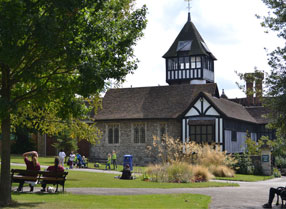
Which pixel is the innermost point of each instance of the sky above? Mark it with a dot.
(229, 27)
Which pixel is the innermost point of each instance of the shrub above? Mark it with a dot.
(172, 151)
(178, 172)
(244, 164)
(201, 173)
(221, 171)
(280, 162)
(156, 173)
(210, 155)
(276, 173)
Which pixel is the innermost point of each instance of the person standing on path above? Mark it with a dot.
(33, 165)
(62, 156)
(114, 160)
(108, 161)
(71, 159)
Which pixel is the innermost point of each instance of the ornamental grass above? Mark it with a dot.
(184, 162)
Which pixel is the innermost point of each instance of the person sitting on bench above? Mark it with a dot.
(126, 173)
(272, 192)
(30, 165)
(55, 167)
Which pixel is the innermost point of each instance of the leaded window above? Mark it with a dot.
(139, 133)
(113, 134)
(163, 131)
(202, 133)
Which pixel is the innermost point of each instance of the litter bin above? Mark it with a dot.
(128, 160)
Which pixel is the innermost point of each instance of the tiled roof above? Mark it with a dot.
(189, 33)
(258, 112)
(159, 102)
(231, 109)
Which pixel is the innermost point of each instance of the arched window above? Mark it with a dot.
(110, 135)
(139, 133)
(142, 134)
(113, 134)
(116, 135)
(136, 135)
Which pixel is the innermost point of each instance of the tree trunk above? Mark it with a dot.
(5, 182)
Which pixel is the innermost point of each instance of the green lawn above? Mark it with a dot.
(76, 179)
(46, 161)
(244, 177)
(41, 201)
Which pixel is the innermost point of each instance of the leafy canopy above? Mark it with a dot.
(276, 81)
(54, 52)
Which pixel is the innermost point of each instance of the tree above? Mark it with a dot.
(276, 81)
(60, 51)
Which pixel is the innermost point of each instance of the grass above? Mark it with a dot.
(77, 179)
(47, 161)
(41, 201)
(244, 177)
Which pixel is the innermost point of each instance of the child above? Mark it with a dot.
(114, 160)
(71, 159)
(108, 161)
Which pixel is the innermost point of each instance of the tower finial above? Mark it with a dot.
(189, 10)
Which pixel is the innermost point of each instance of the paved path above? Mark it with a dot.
(249, 195)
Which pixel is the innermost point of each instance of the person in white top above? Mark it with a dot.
(62, 156)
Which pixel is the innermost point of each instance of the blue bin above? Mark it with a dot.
(128, 160)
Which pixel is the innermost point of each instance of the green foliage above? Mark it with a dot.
(276, 173)
(280, 162)
(65, 143)
(276, 81)
(244, 164)
(23, 142)
(58, 51)
(254, 148)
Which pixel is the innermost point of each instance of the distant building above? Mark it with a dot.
(189, 108)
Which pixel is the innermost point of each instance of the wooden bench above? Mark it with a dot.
(282, 195)
(53, 177)
(47, 177)
(99, 160)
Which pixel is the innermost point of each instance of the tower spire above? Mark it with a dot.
(189, 10)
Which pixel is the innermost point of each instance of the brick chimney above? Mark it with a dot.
(249, 79)
(258, 88)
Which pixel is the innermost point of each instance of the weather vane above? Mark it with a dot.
(189, 9)
(189, 5)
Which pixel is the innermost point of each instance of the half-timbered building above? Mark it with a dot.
(189, 108)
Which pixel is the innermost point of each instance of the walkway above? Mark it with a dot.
(249, 195)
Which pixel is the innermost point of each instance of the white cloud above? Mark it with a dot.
(229, 27)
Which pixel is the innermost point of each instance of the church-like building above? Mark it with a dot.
(189, 108)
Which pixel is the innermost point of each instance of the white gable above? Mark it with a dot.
(202, 107)
(192, 112)
(212, 111)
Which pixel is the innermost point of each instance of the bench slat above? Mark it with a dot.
(47, 177)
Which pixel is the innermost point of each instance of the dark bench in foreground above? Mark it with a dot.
(47, 177)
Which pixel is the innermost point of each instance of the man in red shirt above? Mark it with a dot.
(55, 167)
(32, 164)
